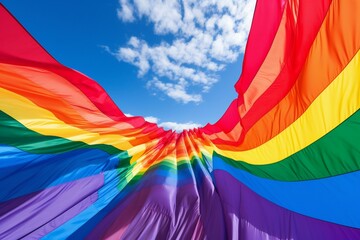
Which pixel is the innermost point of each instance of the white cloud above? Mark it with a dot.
(126, 11)
(151, 119)
(204, 37)
(164, 14)
(175, 91)
(178, 127)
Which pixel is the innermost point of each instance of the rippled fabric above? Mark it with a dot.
(281, 163)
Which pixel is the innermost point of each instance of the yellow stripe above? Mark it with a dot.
(45, 122)
(334, 105)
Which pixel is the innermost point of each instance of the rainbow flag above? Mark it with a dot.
(281, 163)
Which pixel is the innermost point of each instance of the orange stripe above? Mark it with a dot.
(333, 48)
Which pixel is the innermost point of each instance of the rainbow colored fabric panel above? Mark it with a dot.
(281, 163)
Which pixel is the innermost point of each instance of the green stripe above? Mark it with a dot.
(17, 135)
(336, 153)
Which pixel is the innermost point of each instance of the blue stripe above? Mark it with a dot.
(334, 199)
(115, 190)
(22, 173)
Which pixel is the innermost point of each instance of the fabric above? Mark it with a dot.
(283, 162)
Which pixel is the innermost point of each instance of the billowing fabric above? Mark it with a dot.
(282, 163)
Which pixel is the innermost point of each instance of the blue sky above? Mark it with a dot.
(175, 62)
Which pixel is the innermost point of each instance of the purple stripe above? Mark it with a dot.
(149, 211)
(192, 211)
(48, 209)
(9, 205)
(249, 216)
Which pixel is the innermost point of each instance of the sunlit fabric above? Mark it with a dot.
(282, 163)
